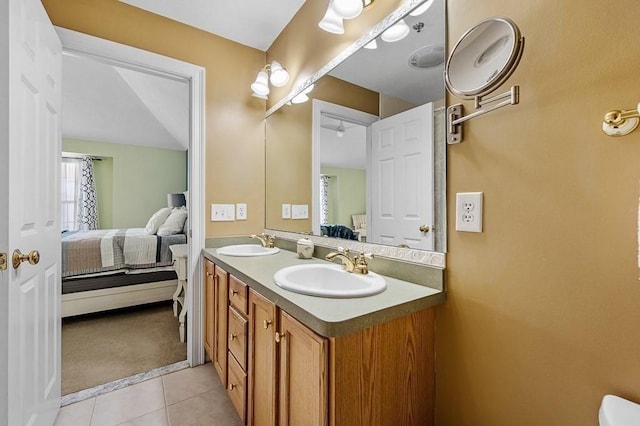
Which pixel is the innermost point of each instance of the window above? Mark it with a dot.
(70, 193)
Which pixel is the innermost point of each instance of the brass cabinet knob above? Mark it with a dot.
(233, 293)
(424, 228)
(266, 323)
(232, 336)
(33, 258)
(279, 337)
(231, 386)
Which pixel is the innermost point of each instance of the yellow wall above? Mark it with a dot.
(234, 120)
(543, 310)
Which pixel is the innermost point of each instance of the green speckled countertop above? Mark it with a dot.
(328, 317)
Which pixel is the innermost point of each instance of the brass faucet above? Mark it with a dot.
(356, 264)
(266, 240)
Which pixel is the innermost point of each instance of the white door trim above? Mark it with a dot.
(130, 57)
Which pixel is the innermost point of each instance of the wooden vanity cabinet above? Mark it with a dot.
(263, 385)
(303, 374)
(237, 344)
(220, 316)
(209, 305)
(381, 375)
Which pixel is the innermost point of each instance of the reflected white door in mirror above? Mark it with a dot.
(382, 169)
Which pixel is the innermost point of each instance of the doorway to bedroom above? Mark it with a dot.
(125, 196)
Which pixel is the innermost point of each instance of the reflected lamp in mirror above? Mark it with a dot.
(273, 73)
(176, 200)
(480, 62)
(621, 122)
(338, 11)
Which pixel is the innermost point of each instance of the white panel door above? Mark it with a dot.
(401, 185)
(31, 205)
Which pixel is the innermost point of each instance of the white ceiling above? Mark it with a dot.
(255, 23)
(348, 151)
(104, 103)
(386, 69)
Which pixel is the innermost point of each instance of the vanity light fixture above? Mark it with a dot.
(273, 73)
(302, 97)
(396, 32)
(338, 10)
(621, 122)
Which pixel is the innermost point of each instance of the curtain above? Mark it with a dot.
(324, 199)
(87, 200)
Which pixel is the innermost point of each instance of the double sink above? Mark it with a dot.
(314, 279)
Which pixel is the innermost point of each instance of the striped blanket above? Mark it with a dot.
(107, 250)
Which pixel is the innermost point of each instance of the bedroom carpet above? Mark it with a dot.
(100, 348)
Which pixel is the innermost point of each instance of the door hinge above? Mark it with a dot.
(3, 261)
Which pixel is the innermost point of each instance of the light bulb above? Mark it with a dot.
(422, 8)
(340, 130)
(347, 9)
(371, 45)
(279, 75)
(299, 99)
(332, 22)
(261, 85)
(397, 32)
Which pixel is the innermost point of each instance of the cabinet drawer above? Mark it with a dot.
(239, 295)
(237, 388)
(238, 337)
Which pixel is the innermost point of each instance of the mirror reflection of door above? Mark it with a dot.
(376, 177)
(401, 173)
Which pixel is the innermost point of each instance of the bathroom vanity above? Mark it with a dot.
(291, 359)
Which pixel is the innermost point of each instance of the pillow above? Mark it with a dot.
(174, 223)
(156, 220)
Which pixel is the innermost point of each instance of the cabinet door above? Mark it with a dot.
(221, 287)
(209, 301)
(303, 375)
(262, 395)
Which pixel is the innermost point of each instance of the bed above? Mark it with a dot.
(115, 268)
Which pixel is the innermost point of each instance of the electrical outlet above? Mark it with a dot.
(241, 211)
(469, 211)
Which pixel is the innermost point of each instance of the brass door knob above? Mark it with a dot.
(33, 258)
(424, 228)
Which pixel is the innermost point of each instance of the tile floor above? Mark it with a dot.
(189, 397)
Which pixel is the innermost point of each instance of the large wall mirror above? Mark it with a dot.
(363, 158)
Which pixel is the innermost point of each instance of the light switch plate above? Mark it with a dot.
(469, 211)
(286, 211)
(223, 212)
(299, 211)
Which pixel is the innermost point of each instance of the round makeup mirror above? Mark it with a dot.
(483, 58)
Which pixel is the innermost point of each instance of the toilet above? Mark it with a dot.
(616, 411)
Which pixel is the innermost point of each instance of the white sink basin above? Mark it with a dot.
(247, 250)
(328, 280)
